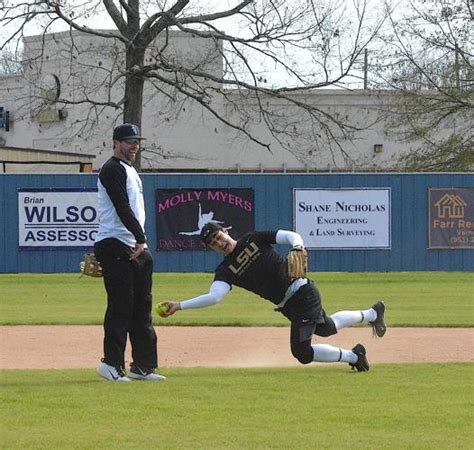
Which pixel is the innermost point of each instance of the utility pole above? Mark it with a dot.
(365, 68)
(456, 66)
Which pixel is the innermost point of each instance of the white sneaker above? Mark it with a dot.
(137, 373)
(112, 373)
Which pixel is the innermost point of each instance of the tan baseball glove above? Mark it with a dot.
(90, 266)
(297, 262)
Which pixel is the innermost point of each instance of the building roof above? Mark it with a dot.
(32, 160)
(44, 153)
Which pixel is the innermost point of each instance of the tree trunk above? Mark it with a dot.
(134, 83)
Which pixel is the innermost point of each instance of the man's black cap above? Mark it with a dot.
(209, 231)
(126, 131)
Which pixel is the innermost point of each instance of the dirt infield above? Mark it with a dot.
(74, 347)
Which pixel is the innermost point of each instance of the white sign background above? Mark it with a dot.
(57, 218)
(343, 218)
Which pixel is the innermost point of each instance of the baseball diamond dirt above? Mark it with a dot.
(75, 347)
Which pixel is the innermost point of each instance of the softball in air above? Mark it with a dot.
(161, 309)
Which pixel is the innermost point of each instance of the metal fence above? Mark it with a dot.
(273, 210)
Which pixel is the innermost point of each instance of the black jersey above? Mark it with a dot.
(256, 267)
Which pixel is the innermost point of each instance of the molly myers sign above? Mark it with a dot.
(182, 213)
(55, 218)
(343, 218)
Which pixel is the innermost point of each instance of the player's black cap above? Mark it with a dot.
(127, 131)
(209, 231)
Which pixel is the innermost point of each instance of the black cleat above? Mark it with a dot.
(378, 325)
(362, 365)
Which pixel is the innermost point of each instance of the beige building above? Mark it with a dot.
(33, 160)
(181, 134)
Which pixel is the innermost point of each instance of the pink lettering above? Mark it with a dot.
(232, 199)
(163, 206)
(179, 244)
(212, 195)
(178, 199)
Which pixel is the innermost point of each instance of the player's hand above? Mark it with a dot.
(137, 251)
(172, 307)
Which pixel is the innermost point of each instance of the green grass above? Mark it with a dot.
(427, 299)
(422, 406)
(416, 406)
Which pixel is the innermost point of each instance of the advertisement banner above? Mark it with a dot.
(343, 218)
(57, 218)
(181, 214)
(451, 218)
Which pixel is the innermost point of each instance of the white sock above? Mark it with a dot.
(343, 319)
(329, 353)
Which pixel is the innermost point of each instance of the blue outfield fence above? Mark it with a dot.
(273, 209)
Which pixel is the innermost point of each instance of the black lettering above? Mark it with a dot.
(30, 236)
(35, 213)
(55, 215)
(72, 214)
(88, 214)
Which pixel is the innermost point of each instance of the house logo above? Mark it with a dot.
(451, 218)
(451, 206)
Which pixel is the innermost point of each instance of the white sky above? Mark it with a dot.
(103, 21)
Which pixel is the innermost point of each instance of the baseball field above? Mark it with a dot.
(418, 393)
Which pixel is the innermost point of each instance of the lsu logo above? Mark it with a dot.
(245, 258)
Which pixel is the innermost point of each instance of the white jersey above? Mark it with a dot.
(120, 203)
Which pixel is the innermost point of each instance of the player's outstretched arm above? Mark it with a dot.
(217, 291)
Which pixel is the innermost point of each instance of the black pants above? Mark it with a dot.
(129, 302)
(307, 317)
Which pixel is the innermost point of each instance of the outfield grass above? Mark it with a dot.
(427, 299)
(416, 406)
(422, 406)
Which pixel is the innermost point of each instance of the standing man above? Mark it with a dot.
(127, 264)
(251, 263)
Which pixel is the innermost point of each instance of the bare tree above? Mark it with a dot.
(8, 63)
(308, 44)
(427, 57)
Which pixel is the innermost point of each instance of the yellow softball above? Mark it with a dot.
(161, 309)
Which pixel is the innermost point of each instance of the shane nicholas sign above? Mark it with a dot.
(343, 218)
(56, 218)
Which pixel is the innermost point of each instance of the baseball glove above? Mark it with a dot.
(297, 262)
(90, 266)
